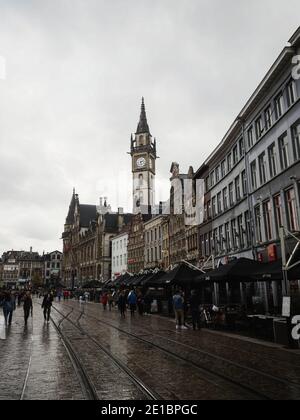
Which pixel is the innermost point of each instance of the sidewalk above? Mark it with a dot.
(33, 361)
(169, 322)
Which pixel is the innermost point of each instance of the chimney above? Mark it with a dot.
(31, 250)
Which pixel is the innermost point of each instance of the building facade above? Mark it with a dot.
(22, 268)
(119, 254)
(136, 243)
(154, 242)
(87, 238)
(52, 267)
(177, 223)
(252, 178)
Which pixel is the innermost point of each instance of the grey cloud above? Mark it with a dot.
(76, 70)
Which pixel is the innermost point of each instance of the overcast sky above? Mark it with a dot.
(74, 77)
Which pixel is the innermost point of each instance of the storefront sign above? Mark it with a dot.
(296, 329)
(272, 253)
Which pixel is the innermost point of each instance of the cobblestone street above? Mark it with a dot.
(33, 361)
(137, 358)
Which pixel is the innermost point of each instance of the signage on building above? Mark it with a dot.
(272, 253)
(11, 268)
(260, 257)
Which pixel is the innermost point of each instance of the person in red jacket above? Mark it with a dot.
(104, 300)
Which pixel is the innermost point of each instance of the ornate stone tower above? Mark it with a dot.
(143, 153)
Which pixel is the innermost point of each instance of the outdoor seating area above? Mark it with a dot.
(242, 296)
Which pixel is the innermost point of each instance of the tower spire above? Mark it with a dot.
(143, 127)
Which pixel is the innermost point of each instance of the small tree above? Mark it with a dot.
(37, 280)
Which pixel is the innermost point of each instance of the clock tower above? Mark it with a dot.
(143, 153)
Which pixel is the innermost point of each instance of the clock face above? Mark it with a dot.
(141, 162)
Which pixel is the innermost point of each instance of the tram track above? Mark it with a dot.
(200, 367)
(146, 391)
(86, 383)
(271, 380)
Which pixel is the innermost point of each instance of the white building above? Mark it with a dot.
(119, 254)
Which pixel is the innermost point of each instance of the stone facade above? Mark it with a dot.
(87, 238)
(154, 242)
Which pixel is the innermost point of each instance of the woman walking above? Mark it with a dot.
(28, 307)
(122, 303)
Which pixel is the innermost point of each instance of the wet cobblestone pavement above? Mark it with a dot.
(268, 370)
(172, 365)
(34, 363)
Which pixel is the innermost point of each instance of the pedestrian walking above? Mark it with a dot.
(178, 304)
(122, 303)
(110, 300)
(147, 303)
(140, 303)
(27, 306)
(104, 300)
(132, 301)
(195, 310)
(9, 306)
(47, 305)
(20, 296)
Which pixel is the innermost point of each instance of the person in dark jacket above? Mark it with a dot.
(122, 303)
(9, 305)
(195, 310)
(147, 303)
(47, 305)
(140, 303)
(27, 306)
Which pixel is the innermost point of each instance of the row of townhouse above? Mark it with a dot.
(20, 268)
(252, 178)
(251, 189)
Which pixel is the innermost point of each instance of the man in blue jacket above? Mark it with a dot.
(132, 301)
(9, 305)
(178, 304)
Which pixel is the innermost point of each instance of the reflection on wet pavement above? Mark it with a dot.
(265, 368)
(2, 328)
(50, 373)
(34, 362)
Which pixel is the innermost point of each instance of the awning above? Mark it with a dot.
(153, 279)
(182, 275)
(273, 272)
(240, 270)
